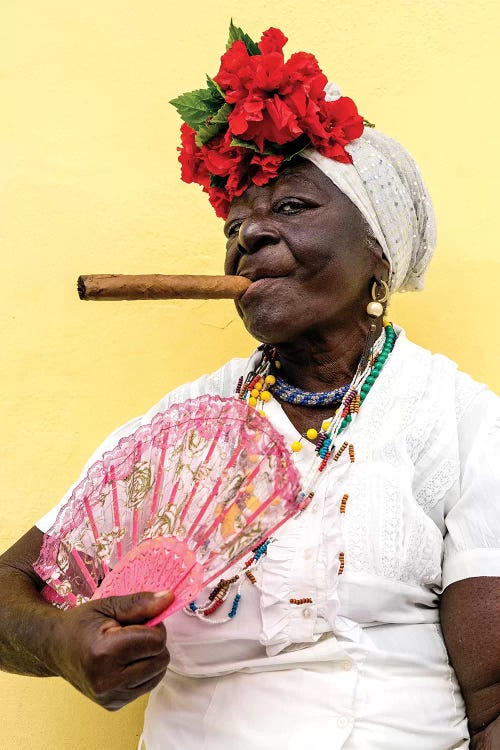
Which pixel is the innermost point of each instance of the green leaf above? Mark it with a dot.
(207, 131)
(196, 107)
(236, 34)
(214, 87)
(246, 144)
(222, 115)
(213, 126)
(288, 151)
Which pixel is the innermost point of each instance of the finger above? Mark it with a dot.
(148, 685)
(143, 671)
(134, 608)
(137, 644)
(124, 696)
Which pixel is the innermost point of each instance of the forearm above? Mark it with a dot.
(27, 623)
(470, 620)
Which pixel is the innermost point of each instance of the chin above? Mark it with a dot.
(267, 330)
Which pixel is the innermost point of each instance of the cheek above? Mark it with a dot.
(231, 259)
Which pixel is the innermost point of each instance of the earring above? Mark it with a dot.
(375, 309)
(380, 295)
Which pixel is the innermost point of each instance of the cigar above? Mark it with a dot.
(157, 286)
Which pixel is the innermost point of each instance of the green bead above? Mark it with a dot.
(349, 417)
(370, 380)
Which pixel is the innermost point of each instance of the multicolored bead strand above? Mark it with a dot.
(217, 597)
(257, 389)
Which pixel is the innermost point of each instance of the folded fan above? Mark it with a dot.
(172, 506)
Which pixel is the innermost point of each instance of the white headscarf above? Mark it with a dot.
(385, 184)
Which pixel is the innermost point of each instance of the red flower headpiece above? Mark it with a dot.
(258, 112)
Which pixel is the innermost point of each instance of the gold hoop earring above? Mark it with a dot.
(380, 295)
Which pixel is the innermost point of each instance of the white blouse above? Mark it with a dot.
(363, 664)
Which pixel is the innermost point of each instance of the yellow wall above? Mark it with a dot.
(90, 185)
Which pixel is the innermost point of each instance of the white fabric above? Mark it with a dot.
(386, 185)
(422, 513)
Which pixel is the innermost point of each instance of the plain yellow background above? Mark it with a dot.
(90, 185)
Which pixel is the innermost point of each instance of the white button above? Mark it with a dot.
(308, 554)
(307, 612)
(347, 665)
(342, 721)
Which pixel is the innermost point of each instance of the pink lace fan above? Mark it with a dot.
(172, 506)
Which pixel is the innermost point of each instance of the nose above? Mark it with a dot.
(255, 233)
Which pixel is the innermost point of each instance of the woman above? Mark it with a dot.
(343, 639)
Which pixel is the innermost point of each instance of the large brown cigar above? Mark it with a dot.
(157, 286)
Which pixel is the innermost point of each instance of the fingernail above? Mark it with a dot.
(159, 594)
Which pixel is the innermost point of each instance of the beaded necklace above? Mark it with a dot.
(257, 389)
(292, 395)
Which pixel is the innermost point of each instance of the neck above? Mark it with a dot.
(324, 360)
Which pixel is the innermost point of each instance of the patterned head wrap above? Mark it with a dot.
(386, 186)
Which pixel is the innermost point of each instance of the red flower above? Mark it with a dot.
(339, 124)
(268, 74)
(272, 40)
(275, 103)
(219, 200)
(193, 168)
(264, 119)
(218, 155)
(265, 167)
(303, 71)
(234, 73)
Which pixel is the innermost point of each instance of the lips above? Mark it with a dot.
(254, 276)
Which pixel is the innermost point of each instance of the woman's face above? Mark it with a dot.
(303, 244)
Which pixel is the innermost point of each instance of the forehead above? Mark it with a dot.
(300, 175)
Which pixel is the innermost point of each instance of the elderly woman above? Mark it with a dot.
(374, 619)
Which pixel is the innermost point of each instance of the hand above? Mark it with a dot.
(104, 650)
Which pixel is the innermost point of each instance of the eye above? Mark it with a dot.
(289, 206)
(233, 228)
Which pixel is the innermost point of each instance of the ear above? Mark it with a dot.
(384, 266)
(382, 263)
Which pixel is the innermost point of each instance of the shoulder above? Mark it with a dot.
(444, 378)
(456, 403)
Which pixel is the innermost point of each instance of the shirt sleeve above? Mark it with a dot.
(472, 541)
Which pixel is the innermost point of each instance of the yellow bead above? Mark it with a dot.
(252, 401)
(249, 489)
(296, 446)
(387, 323)
(262, 413)
(325, 425)
(311, 434)
(265, 396)
(254, 393)
(270, 380)
(258, 385)
(277, 364)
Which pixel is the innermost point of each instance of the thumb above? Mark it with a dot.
(135, 609)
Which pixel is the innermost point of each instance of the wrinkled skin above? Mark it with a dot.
(308, 241)
(305, 245)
